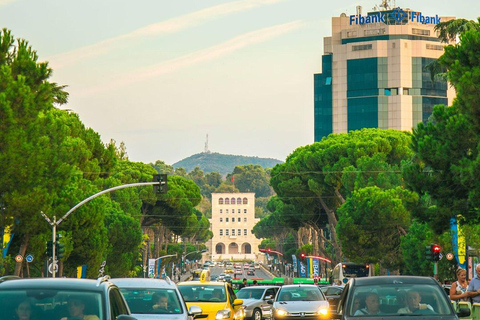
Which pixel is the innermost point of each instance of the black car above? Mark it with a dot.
(395, 297)
(58, 298)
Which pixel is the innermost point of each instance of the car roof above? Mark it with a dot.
(142, 283)
(56, 283)
(299, 285)
(259, 287)
(208, 283)
(366, 281)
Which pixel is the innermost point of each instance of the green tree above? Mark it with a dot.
(251, 178)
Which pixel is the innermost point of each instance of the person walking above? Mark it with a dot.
(474, 286)
(243, 284)
(458, 290)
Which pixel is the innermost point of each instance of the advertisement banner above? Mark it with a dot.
(151, 268)
(316, 267)
(309, 267)
(294, 259)
(303, 269)
(458, 243)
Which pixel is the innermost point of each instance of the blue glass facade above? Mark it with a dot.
(323, 106)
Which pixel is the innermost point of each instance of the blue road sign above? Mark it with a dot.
(29, 258)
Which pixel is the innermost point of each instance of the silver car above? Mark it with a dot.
(150, 299)
(255, 301)
(300, 301)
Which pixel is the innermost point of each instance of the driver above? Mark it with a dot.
(160, 302)
(76, 309)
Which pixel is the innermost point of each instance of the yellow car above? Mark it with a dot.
(216, 299)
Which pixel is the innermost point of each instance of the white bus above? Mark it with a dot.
(346, 270)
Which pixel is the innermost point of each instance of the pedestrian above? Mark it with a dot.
(255, 283)
(243, 284)
(458, 290)
(474, 286)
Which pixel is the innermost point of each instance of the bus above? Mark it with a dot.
(346, 270)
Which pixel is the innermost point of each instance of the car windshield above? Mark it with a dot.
(397, 299)
(247, 293)
(202, 293)
(300, 294)
(152, 300)
(50, 304)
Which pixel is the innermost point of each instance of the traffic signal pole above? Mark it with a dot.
(55, 223)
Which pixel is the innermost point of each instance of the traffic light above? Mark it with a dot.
(302, 256)
(161, 187)
(50, 248)
(428, 253)
(269, 250)
(60, 247)
(436, 252)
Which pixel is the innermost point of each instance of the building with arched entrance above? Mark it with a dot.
(233, 218)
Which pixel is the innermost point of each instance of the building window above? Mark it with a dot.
(226, 219)
(232, 201)
(328, 81)
(233, 219)
(245, 201)
(227, 201)
(244, 219)
(226, 210)
(226, 232)
(245, 232)
(239, 200)
(239, 232)
(390, 91)
(221, 219)
(221, 232)
(233, 232)
(374, 32)
(221, 211)
(238, 211)
(239, 219)
(244, 210)
(351, 34)
(421, 32)
(220, 201)
(434, 47)
(358, 48)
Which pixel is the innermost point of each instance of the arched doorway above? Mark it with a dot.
(233, 248)
(220, 248)
(246, 248)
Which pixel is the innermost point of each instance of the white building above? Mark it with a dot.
(233, 218)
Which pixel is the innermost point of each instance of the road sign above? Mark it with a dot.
(19, 258)
(449, 256)
(440, 256)
(52, 267)
(29, 258)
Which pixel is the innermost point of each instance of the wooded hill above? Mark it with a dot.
(222, 163)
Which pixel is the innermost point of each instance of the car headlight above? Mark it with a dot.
(281, 312)
(322, 311)
(223, 314)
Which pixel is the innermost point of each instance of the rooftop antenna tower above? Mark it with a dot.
(385, 5)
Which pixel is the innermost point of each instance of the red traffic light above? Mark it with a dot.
(435, 248)
(302, 255)
(268, 250)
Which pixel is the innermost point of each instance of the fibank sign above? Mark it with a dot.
(398, 14)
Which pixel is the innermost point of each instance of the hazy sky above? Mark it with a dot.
(160, 75)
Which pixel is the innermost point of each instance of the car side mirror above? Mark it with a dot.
(237, 302)
(269, 297)
(194, 311)
(270, 301)
(463, 312)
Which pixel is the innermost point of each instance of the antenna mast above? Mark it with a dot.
(206, 146)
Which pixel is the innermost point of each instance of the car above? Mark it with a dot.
(332, 294)
(251, 272)
(246, 266)
(304, 301)
(141, 296)
(216, 299)
(55, 298)
(395, 297)
(238, 271)
(229, 270)
(255, 301)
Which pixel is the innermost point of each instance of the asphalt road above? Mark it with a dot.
(259, 273)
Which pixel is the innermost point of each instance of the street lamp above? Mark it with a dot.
(184, 256)
(160, 262)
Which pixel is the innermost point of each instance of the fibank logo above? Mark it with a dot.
(398, 15)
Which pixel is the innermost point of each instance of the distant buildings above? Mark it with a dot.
(373, 72)
(233, 218)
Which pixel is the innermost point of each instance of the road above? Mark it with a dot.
(259, 273)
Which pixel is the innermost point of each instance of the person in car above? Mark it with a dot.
(414, 305)
(160, 302)
(76, 309)
(24, 310)
(372, 305)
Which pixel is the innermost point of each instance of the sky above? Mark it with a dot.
(161, 75)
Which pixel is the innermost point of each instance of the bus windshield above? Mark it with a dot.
(355, 271)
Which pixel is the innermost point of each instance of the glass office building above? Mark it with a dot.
(374, 75)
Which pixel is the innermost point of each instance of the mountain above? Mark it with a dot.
(221, 163)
